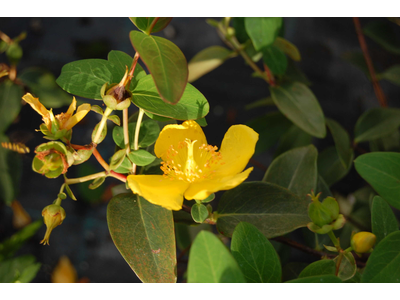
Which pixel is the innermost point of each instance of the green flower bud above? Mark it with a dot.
(363, 242)
(52, 159)
(320, 230)
(323, 213)
(53, 216)
(339, 223)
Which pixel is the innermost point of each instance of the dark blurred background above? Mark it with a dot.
(343, 91)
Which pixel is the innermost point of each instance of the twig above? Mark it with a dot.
(377, 88)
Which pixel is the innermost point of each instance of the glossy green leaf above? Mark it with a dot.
(295, 170)
(255, 255)
(21, 269)
(288, 48)
(342, 142)
(262, 31)
(382, 171)
(383, 220)
(240, 30)
(376, 123)
(296, 101)
(207, 60)
(148, 134)
(389, 142)
(330, 166)
(144, 23)
(199, 212)
(193, 105)
(270, 127)
(43, 85)
(125, 167)
(166, 63)
(96, 183)
(317, 279)
(102, 135)
(70, 193)
(144, 235)
(10, 103)
(211, 262)
(384, 261)
(275, 59)
(319, 267)
(294, 137)
(382, 33)
(141, 157)
(117, 158)
(392, 74)
(274, 210)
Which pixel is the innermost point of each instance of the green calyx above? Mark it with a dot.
(116, 97)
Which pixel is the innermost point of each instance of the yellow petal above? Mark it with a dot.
(237, 148)
(36, 105)
(159, 190)
(64, 272)
(201, 190)
(174, 134)
(80, 114)
(71, 108)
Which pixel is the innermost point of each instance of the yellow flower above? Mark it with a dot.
(64, 120)
(53, 216)
(192, 168)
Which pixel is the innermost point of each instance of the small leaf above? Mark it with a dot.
(382, 171)
(125, 167)
(275, 59)
(208, 199)
(295, 170)
(117, 158)
(383, 220)
(102, 135)
(199, 212)
(97, 182)
(348, 266)
(319, 267)
(207, 60)
(288, 48)
(296, 101)
(342, 142)
(115, 119)
(166, 63)
(330, 166)
(193, 105)
(262, 31)
(382, 33)
(294, 137)
(211, 262)
(144, 235)
(383, 263)
(256, 203)
(141, 157)
(255, 255)
(143, 23)
(392, 74)
(376, 123)
(69, 192)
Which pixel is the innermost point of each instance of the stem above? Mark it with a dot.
(152, 25)
(126, 132)
(339, 261)
(334, 240)
(117, 176)
(100, 159)
(5, 38)
(137, 130)
(58, 201)
(85, 178)
(377, 88)
(134, 62)
(270, 76)
(103, 122)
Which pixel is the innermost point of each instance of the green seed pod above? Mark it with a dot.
(53, 215)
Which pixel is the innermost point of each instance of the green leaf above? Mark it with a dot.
(211, 262)
(376, 123)
(293, 73)
(207, 60)
(117, 158)
(295, 170)
(392, 74)
(144, 235)
(193, 105)
(199, 212)
(125, 167)
(348, 266)
(148, 134)
(342, 142)
(288, 48)
(270, 127)
(102, 135)
(275, 59)
(389, 142)
(143, 23)
(255, 255)
(294, 137)
(317, 279)
(43, 85)
(274, 210)
(318, 268)
(330, 166)
(382, 171)
(383, 263)
(383, 220)
(262, 31)
(240, 30)
(10, 103)
(166, 63)
(382, 33)
(296, 101)
(97, 182)
(70, 193)
(19, 269)
(141, 157)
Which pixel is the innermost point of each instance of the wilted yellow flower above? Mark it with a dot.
(53, 216)
(192, 168)
(64, 120)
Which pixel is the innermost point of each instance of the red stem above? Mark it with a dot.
(270, 76)
(152, 25)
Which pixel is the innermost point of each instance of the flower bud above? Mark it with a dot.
(363, 242)
(323, 213)
(53, 216)
(116, 96)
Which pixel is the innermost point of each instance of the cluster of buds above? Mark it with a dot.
(324, 215)
(116, 96)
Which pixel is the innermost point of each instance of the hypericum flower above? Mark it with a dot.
(362, 242)
(53, 216)
(192, 168)
(62, 121)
